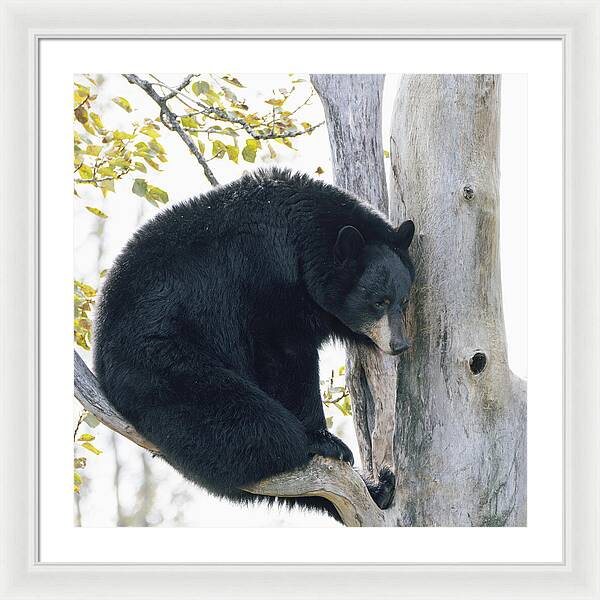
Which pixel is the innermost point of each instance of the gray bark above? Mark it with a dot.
(461, 435)
(352, 106)
(88, 393)
(455, 438)
(332, 479)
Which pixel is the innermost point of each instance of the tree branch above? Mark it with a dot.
(332, 479)
(170, 121)
(87, 391)
(173, 92)
(326, 477)
(220, 114)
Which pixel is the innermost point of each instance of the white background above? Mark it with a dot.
(541, 540)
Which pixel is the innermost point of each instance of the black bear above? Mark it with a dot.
(210, 321)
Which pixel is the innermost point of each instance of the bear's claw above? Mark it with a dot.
(324, 443)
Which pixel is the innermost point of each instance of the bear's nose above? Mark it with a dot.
(398, 346)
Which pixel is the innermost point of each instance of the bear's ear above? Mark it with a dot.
(404, 234)
(349, 244)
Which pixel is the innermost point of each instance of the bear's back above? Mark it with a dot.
(210, 262)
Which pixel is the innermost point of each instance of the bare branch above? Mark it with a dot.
(332, 479)
(325, 477)
(181, 86)
(169, 119)
(95, 181)
(87, 391)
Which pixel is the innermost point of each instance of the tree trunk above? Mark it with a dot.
(455, 432)
(461, 436)
(352, 106)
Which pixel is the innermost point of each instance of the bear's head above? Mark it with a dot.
(378, 280)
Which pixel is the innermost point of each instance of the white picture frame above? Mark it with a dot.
(24, 24)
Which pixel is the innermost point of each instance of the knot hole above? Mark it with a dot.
(478, 362)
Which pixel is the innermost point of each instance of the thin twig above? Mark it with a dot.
(81, 103)
(170, 121)
(180, 87)
(79, 421)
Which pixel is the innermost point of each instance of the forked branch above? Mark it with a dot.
(325, 477)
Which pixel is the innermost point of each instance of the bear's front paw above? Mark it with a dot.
(324, 443)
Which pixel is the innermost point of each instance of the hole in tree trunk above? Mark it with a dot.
(468, 192)
(478, 363)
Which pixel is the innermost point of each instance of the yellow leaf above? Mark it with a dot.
(200, 87)
(155, 194)
(85, 171)
(106, 186)
(232, 153)
(150, 130)
(97, 212)
(91, 448)
(86, 437)
(122, 135)
(81, 115)
(81, 341)
(106, 171)
(190, 122)
(87, 290)
(249, 153)
(218, 149)
(252, 143)
(83, 324)
(232, 81)
(152, 163)
(96, 121)
(140, 187)
(320, 171)
(93, 150)
(124, 104)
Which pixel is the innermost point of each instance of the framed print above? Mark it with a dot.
(298, 305)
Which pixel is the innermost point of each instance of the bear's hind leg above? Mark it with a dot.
(223, 432)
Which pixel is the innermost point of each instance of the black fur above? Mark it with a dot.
(210, 320)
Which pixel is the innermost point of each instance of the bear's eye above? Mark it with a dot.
(382, 303)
